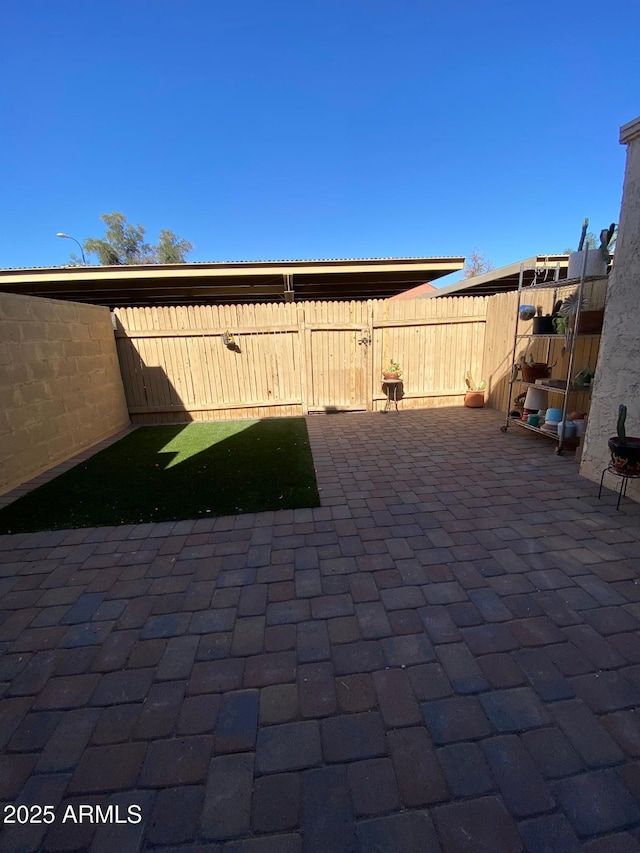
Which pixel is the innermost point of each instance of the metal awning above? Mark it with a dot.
(230, 282)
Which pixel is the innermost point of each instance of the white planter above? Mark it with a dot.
(537, 398)
(596, 264)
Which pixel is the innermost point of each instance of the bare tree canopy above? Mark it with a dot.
(477, 263)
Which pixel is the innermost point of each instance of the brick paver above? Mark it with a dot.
(445, 655)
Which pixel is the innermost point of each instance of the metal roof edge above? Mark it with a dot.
(500, 273)
(73, 268)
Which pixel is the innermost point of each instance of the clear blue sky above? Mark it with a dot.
(269, 129)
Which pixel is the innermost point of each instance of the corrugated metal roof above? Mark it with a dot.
(248, 263)
(244, 281)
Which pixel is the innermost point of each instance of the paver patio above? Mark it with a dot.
(445, 656)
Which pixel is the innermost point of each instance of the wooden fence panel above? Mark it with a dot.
(436, 341)
(293, 358)
(498, 351)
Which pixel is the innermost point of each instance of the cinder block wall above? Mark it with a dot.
(60, 384)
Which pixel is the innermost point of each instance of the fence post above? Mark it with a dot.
(304, 359)
(368, 373)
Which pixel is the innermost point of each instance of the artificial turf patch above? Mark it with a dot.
(169, 473)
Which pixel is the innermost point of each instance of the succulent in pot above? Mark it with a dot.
(393, 371)
(474, 397)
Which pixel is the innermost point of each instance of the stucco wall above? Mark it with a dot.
(60, 385)
(618, 371)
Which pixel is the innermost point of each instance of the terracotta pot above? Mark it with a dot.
(387, 375)
(531, 372)
(625, 458)
(590, 322)
(474, 399)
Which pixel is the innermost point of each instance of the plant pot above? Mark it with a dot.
(390, 375)
(626, 457)
(590, 322)
(566, 429)
(531, 372)
(536, 399)
(596, 264)
(474, 399)
(543, 326)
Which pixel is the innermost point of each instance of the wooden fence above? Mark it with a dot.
(292, 359)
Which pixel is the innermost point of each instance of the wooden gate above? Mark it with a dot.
(338, 357)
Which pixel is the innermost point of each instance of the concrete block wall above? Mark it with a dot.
(60, 384)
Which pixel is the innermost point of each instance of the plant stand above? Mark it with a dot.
(623, 485)
(390, 388)
(564, 387)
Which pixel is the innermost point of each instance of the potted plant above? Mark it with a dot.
(597, 259)
(625, 451)
(530, 370)
(393, 371)
(474, 397)
(589, 322)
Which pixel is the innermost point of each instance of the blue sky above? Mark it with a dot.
(314, 128)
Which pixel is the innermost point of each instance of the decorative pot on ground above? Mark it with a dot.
(626, 457)
(474, 399)
(625, 451)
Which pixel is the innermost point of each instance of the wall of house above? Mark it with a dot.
(60, 384)
(618, 372)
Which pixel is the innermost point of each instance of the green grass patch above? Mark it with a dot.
(169, 473)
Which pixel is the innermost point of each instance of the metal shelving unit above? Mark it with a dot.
(566, 388)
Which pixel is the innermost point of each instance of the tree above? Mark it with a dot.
(172, 250)
(590, 241)
(125, 244)
(477, 263)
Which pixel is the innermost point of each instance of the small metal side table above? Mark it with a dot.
(623, 485)
(390, 387)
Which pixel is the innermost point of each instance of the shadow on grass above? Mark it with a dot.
(174, 472)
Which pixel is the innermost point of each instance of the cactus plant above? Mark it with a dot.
(471, 385)
(583, 234)
(622, 435)
(606, 238)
